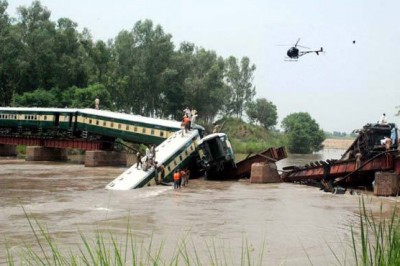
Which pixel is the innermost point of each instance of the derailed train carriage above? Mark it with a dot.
(99, 125)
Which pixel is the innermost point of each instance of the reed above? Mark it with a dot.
(105, 249)
(378, 239)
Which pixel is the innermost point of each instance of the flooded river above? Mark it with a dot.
(293, 224)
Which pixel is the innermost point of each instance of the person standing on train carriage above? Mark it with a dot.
(139, 160)
(193, 117)
(186, 112)
(97, 103)
(186, 121)
(177, 179)
(153, 151)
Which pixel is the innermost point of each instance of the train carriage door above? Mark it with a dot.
(70, 120)
(56, 119)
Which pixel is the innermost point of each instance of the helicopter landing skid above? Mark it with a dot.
(290, 59)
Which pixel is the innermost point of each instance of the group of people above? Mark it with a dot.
(387, 141)
(181, 178)
(189, 118)
(150, 158)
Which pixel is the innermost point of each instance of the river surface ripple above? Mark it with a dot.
(298, 225)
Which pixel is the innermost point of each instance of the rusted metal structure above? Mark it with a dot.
(375, 149)
(243, 168)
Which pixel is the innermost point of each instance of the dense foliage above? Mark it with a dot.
(262, 111)
(46, 63)
(303, 133)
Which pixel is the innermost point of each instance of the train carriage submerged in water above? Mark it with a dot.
(212, 155)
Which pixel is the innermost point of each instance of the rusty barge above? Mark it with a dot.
(374, 150)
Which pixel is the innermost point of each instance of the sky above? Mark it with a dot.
(349, 85)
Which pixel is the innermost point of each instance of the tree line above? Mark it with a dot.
(49, 63)
(139, 71)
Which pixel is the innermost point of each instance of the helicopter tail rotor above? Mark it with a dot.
(320, 51)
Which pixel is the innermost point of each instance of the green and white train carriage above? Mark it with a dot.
(128, 127)
(36, 121)
(175, 152)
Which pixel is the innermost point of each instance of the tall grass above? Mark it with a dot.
(378, 239)
(105, 249)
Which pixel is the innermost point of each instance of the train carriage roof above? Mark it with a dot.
(39, 109)
(133, 118)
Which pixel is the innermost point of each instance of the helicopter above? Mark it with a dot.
(294, 53)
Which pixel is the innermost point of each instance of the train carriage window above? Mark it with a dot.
(97, 122)
(90, 121)
(119, 126)
(45, 117)
(175, 164)
(191, 148)
(186, 153)
(169, 168)
(127, 127)
(161, 133)
(152, 131)
(104, 123)
(112, 124)
(144, 130)
(180, 157)
(135, 129)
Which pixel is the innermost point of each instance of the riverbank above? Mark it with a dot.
(337, 143)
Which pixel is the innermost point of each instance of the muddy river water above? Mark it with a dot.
(292, 224)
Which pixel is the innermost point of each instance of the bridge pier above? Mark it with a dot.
(264, 173)
(8, 150)
(105, 158)
(39, 153)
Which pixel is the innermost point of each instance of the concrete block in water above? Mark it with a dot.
(264, 173)
(8, 150)
(39, 153)
(105, 158)
(386, 184)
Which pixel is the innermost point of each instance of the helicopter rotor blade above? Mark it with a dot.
(297, 42)
(303, 47)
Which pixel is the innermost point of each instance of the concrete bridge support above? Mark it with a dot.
(105, 158)
(39, 153)
(8, 150)
(264, 173)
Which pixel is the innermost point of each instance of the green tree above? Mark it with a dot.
(37, 98)
(262, 111)
(153, 51)
(10, 48)
(204, 88)
(84, 97)
(303, 132)
(239, 81)
(38, 57)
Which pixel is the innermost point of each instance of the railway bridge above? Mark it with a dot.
(49, 132)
